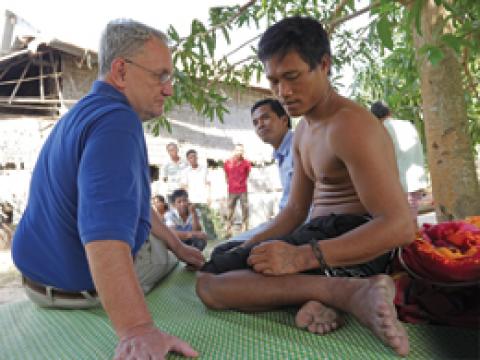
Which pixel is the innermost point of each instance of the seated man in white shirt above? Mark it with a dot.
(183, 219)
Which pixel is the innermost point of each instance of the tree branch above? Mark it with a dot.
(231, 67)
(338, 10)
(243, 45)
(240, 11)
(331, 26)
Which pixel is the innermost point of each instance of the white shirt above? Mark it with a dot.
(195, 182)
(172, 218)
(173, 172)
(409, 154)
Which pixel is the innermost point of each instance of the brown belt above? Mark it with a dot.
(56, 293)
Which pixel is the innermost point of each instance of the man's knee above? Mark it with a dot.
(207, 290)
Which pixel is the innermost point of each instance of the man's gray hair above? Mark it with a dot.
(124, 38)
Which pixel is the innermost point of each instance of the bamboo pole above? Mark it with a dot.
(42, 90)
(32, 78)
(19, 82)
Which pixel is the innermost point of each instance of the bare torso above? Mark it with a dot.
(333, 191)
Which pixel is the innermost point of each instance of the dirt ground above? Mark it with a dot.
(10, 281)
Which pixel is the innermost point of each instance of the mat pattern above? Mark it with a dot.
(28, 332)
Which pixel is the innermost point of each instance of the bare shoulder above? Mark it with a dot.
(299, 130)
(353, 125)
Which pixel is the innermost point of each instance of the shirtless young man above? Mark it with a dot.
(339, 169)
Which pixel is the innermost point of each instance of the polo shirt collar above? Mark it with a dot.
(100, 87)
(284, 147)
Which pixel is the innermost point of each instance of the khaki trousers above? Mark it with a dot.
(152, 263)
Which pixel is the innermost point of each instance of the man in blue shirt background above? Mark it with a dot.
(88, 217)
(273, 125)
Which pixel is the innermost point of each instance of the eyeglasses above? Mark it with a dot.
(162, 78)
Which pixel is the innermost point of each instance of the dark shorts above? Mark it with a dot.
(228, 257)
(327, 227)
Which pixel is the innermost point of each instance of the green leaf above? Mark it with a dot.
(384, 30)
(454, 42)
(417, 12)
(225, 34)
(173, 34)
(433, 53)
(210, 41)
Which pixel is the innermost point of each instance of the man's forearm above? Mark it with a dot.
(113, 272)
(367, 242)
(163, 232)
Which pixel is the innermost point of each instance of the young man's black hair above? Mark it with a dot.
(191, 151)
(380, 110)
(289, 34)
(276, 107)
(176, 194)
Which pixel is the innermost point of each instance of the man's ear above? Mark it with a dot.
(326, 63)
(118, 73)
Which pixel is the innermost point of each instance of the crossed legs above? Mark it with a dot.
(369, 300)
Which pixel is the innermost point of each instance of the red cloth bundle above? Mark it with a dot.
(447, 252)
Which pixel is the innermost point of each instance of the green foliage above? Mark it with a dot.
(393, 76)
(381, 51)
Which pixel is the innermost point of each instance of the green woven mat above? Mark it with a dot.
(28, 332)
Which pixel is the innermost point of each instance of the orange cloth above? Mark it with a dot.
(446, 252)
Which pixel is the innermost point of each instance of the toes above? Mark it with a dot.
(303, 320)
(312, 327)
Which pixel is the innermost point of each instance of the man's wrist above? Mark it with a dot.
(308, 259)
(136, 330)
(319, 257)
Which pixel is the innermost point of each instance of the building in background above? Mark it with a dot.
(41, 78)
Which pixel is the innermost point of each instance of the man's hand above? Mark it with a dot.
(190, 255)
(148, 342)
(192, 209)
(278, 258)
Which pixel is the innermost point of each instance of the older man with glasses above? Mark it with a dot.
(84, 237)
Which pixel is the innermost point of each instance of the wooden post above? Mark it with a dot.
(57, 82)
(19, 82)
(42, 90)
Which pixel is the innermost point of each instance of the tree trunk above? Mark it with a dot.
(449, 151)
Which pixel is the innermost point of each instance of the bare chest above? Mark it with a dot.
(319, 161)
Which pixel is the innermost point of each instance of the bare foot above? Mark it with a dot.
(318, 318)
(372, 304)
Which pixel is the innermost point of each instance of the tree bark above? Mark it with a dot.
(449, 150)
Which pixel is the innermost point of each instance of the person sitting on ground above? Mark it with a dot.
(84, 236)
(184, 219)
(273, 125)
(160, 206)
(359, 213)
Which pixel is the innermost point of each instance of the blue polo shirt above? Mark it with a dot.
(284, 157)
(90, 183)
